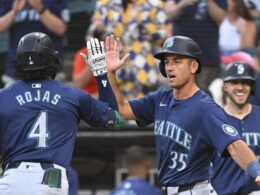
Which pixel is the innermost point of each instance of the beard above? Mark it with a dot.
(238, 103)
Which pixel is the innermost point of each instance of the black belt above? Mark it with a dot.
(181, 188)
(44, 165)
(186, 187)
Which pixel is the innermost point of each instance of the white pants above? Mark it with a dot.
(27, 180)
(202, 188)
(252, 193)
(255, 193)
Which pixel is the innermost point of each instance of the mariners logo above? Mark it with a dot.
(228, 129)
(240, 69)
(170, 43)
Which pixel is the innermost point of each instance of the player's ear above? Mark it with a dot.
(225, 85)
(194, 66)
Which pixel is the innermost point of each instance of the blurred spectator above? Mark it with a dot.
(82, 76)
(237, 28)
(193, 19)
(24, 16)
(138, 166)
(141, 25)
(254, 6)
(215, 88)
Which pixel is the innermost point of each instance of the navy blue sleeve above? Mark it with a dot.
(5, 6)
(217, 129)
(105, 92)
(144, 109)
(94, 112)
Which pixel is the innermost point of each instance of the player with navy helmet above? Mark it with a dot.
(39, 118)
(228, 177)
(137, 163)
(188, 125)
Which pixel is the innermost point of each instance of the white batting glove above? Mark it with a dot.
(96, 58)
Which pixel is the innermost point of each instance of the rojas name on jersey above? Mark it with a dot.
(43, 96)
(172, 131)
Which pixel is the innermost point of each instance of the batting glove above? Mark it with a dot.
(96, 58)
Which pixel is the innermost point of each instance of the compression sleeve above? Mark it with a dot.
(105, 91)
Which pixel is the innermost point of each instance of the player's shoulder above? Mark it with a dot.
(69, 89)
(160, 93)
(256, 108)
(163, 91)
(146, 188)
(9, 88)
(206, 101)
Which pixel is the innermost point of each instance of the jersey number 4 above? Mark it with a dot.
(39, 130)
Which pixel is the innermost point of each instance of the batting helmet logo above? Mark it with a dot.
(170, 43)
(240, 69)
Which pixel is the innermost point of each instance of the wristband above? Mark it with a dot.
(253, 169)
(42, 10)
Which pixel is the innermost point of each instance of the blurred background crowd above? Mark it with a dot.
(226, 30)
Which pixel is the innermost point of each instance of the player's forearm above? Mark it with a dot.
(53, 23)
(241, 153)
(114, 86)
(123, 105)
(174, 12)
(216, 13)
(7, 20)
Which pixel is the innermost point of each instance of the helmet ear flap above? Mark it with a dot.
(162, 68)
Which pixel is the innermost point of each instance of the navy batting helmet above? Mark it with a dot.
(179, 45)
(35, 52)
(239, 71)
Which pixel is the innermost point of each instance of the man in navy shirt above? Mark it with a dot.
(20, 17)
(138, 167)
(39, 118)
(188, 125)
(228, 178)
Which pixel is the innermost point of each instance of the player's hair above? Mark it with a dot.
(135, 155)
(36, 57)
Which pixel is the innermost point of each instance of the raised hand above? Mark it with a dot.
(113, 60)
(18, 5)
(96, 59)
(36, 4)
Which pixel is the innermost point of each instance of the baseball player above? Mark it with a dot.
(188, 125)
(228, 178)
(39, 118)
(138, 167)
